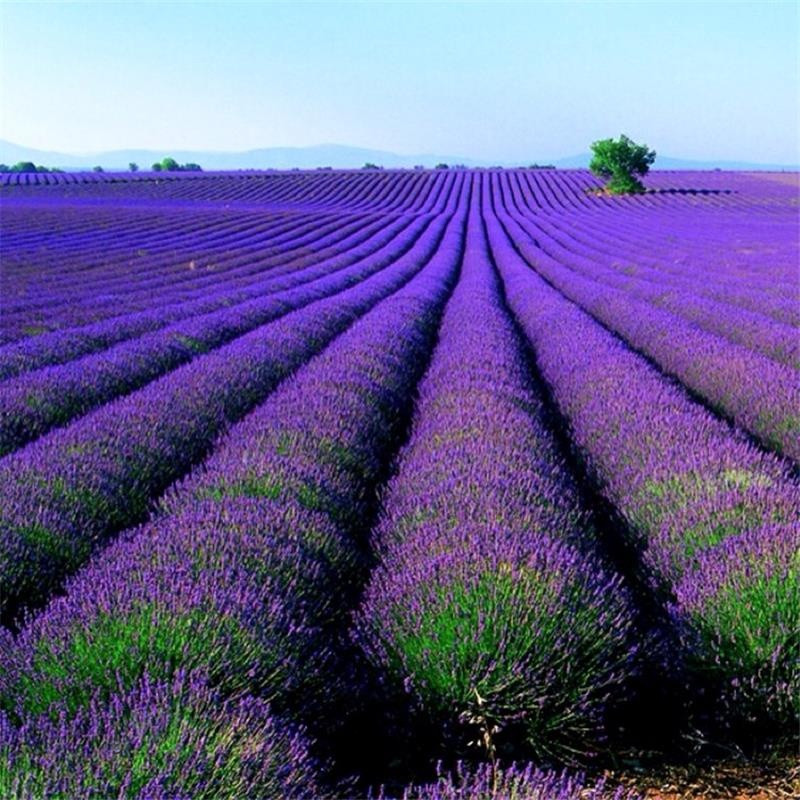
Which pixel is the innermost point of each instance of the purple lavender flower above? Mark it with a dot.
(164, 740)
(513, 782)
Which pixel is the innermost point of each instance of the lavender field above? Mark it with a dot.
(322, 483)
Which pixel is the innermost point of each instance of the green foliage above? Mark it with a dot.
(370, 165)
(27, 166)
(116, 650)
(133, 166)
(169, 164)
(98, 168)
(487, 651)
(619, 162)
(745, 638)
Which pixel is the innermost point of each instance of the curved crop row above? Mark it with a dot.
(340, 189)
(38, 401)
(158, 741)
(759, 395)
(488, 605)
(189, 273)
(67, 492)
(92, 256)
(691, 488)
(214, 262)
(683, 299)
(64, 345)
(70, 274)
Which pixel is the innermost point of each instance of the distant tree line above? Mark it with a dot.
(169, 164)
(165, 165)
(27, 166)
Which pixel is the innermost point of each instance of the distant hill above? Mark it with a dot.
(325, 155)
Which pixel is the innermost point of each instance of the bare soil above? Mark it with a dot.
(733, 780)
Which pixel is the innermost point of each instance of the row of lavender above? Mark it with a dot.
(758, 394)
(537, 201)
(491, 605)
(126, 321)
(181, 265)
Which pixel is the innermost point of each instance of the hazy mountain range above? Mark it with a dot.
(324, 155)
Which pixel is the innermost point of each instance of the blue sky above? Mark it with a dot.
(521, 81)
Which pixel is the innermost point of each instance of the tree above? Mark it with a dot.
(619, 162)
(24, 166)
(97, 169)
(169, 164)
(133, 166)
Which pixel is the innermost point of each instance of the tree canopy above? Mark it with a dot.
(27, 166)
(619, 161)
(169, 164)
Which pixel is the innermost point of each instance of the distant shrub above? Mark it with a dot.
(169, 164)
(133, 166)
(619, 161)
(442, 166)
(370, 165)
(27, 166)
(98, 168)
